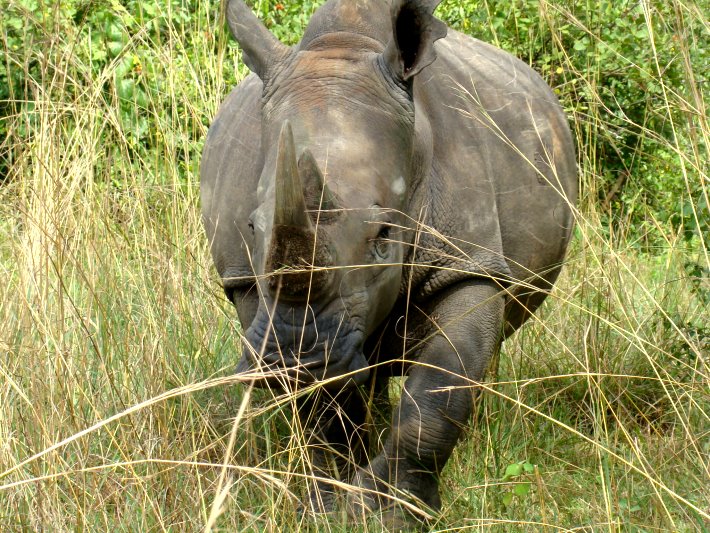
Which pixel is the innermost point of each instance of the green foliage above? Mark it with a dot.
(117, 48)
(517, 473)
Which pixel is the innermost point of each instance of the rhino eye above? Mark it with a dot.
(382, 243)
(251, 227)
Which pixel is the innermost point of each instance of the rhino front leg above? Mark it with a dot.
(339, 430)
(462, 330)
(334, 424)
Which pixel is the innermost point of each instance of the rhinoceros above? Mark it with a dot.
(384, 197)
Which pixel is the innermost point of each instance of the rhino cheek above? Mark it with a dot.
(382, 295)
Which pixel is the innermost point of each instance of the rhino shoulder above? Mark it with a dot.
(229, 172)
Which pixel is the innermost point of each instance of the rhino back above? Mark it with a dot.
(369, 18)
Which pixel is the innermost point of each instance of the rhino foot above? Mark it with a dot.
(407, 503)
(322, 500)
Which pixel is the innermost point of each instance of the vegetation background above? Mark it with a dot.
(117, 346)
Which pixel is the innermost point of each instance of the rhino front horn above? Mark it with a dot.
(290, 207)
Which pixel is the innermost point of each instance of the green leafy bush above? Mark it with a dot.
(121, 45)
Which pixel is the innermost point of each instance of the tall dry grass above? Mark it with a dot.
(119, 407)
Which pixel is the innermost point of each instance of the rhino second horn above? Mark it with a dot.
(290, 207)
(312, 177)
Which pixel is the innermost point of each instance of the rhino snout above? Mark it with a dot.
(274, 363)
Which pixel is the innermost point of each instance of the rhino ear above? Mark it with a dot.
(414, 30)
(261, 51)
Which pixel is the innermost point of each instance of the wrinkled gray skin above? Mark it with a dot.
(433, 175)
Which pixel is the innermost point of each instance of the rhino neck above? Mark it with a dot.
(423, 191)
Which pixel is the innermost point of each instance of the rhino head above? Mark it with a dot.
(341, 158)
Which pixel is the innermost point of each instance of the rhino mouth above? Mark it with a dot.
(282, 354)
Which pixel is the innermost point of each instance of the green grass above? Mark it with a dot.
(117, 346)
